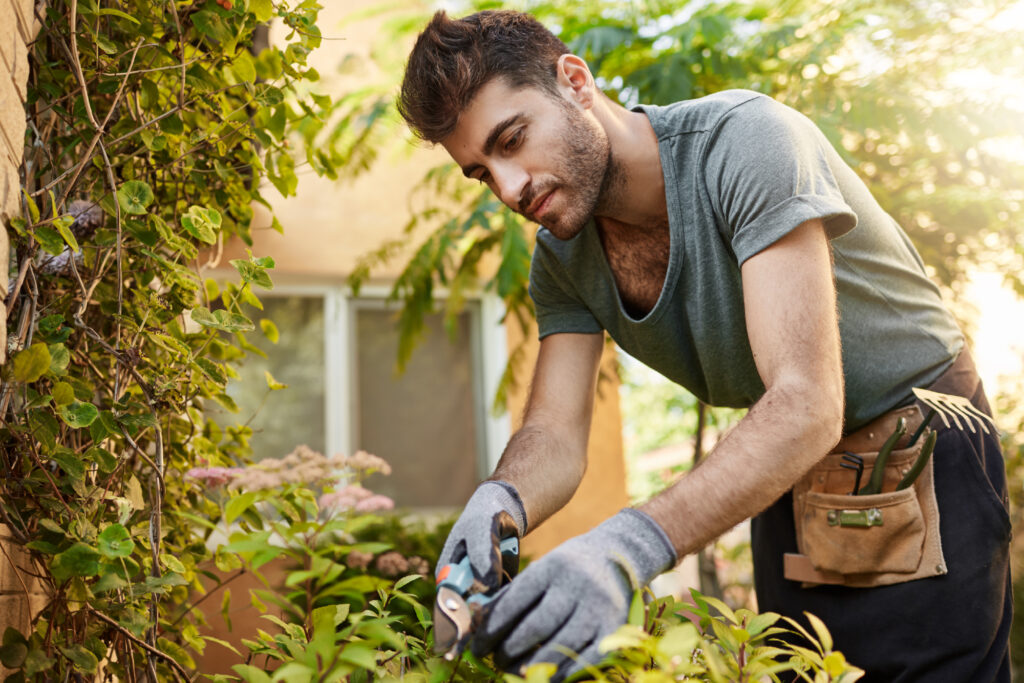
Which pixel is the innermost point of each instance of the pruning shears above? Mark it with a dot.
(460, 599)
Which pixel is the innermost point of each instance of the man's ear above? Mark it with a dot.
(574, 76)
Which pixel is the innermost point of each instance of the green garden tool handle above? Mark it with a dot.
(922, 460)
(874, 485)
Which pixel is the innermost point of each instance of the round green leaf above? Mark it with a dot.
(30, 364)
(115, 541)
(78, 414)
(63, 393)
(78, 560)
(172, 563)
(134, 196)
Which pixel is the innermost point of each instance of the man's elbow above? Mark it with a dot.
(816, 413)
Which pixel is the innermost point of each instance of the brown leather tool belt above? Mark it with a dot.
(881, 538)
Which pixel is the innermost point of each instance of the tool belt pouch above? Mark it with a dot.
(865, 540)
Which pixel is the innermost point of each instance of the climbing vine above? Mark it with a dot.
(153, 130)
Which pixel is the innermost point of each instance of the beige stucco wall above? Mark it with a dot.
(329, 225)
(16, 30)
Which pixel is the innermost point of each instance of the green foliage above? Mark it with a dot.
(151, 127)
(356, 602)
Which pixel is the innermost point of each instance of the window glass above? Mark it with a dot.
(424, 421)
(288, 417)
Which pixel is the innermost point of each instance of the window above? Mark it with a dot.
(337, 356)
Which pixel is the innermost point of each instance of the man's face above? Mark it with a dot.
(541, 155)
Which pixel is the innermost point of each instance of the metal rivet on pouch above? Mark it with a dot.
(939, 569)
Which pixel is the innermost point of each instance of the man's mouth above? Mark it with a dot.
(541, 204)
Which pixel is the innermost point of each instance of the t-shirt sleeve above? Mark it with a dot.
(558, 307)
(768, 169)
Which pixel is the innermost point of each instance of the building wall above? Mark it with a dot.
(21, 595)
(17, 28)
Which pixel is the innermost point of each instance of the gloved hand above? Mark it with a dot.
(494, 512)
(575, 595)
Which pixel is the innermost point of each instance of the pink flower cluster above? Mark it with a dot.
(214, 477)
(302, 466)
(393, 563)
(356, 498)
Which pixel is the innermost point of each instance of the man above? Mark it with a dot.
(723, 242)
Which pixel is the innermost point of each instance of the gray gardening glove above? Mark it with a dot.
(493, 513)
(574, 596)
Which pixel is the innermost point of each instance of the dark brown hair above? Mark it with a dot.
(454, 58)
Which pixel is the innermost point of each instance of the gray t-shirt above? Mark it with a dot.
(741, 170)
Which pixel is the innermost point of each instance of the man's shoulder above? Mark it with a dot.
(698, 115)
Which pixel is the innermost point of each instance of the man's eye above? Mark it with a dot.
(484, 178)
(514, 141)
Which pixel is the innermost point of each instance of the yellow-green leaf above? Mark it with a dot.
(63, 393)
(63, 225)
(244, 67)
(263, 9)
(273, 383)
(270, 330)
(31, 363)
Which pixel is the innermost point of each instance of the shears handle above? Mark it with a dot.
(459, 577)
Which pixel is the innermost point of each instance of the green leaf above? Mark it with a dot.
(78, 560)
(31, 363)
(118, 13)
(172, 563)
(63, 393)
(211, 370)
(63, 225)
(49, 239)
(70, 462)
(821, 631)
(237, 505)
(59, 358)
(251, 674)
(134, 196)
(360, 655)
(262, 9)
(243, 67)
(221, 320)
(227, 561)
(44, 427)
(272, 383)
(270, 330)
(103, 458)
(79, 415)
(13, 655)
(105, 44)
(202, 223)
(33, 208)
(406, 580)
(115, 541)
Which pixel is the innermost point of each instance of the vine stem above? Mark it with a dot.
(76, 64)
(175, 666)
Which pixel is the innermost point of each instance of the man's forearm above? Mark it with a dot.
(544, 470)
(769, 450)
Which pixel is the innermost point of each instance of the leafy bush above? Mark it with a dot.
(360, 610)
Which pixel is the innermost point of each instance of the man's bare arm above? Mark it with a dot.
(546, 458)
(790, 304)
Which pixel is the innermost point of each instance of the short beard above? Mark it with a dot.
(589, 169)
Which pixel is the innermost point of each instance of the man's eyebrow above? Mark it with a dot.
(492, 139)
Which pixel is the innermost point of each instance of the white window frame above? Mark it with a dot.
(487, 338)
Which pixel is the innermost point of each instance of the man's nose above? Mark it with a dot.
(509, 182)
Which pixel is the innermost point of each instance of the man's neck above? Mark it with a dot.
(635, 193)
